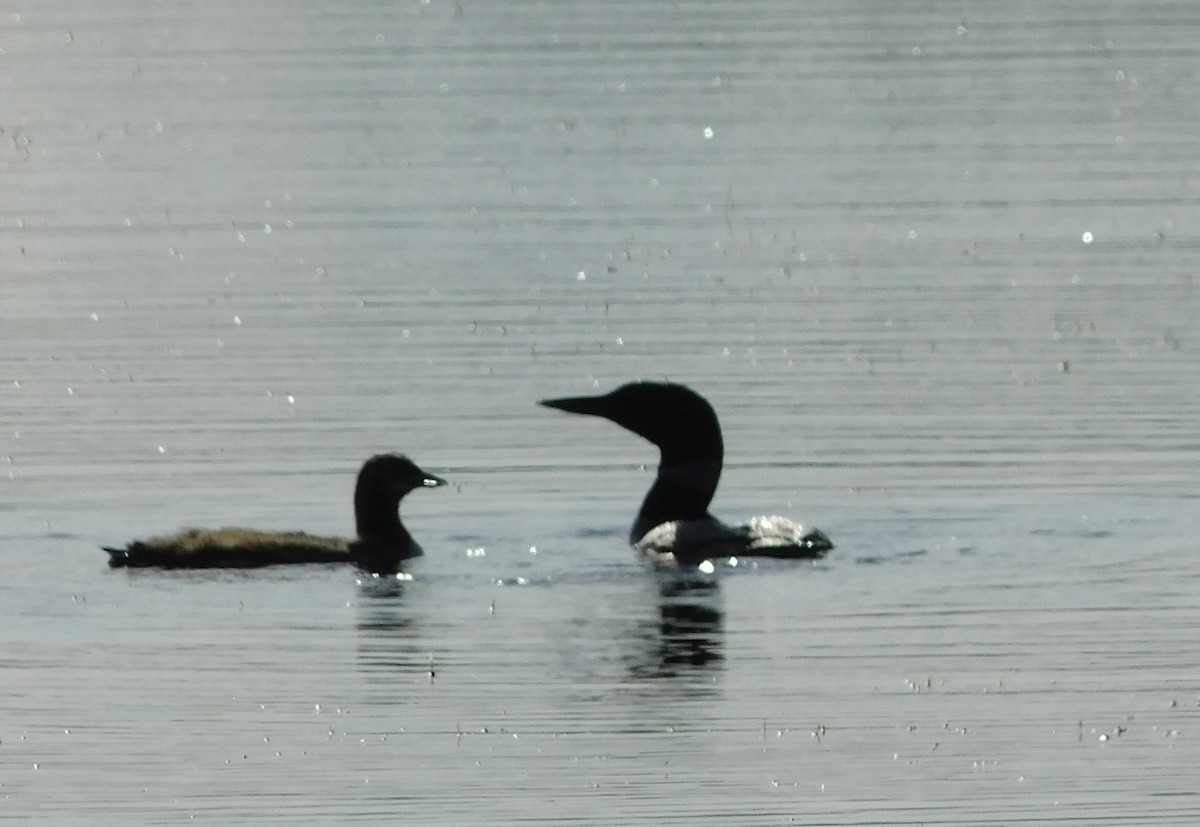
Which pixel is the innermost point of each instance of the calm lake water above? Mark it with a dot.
(933, 263)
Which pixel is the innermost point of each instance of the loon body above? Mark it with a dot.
(673, 523)
(382, 543)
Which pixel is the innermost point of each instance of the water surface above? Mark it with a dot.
(933, 266)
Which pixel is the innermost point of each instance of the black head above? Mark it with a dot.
(395, 474)
(674, 417)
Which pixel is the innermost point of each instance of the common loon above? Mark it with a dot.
(382, 542)
(674, 523)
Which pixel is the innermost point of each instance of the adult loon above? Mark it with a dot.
(382, 543)
(674, 524)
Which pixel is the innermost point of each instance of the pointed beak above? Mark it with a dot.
(430, 481)
(593, 405)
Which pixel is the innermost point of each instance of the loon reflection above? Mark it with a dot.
(690, 628)
(391, 649)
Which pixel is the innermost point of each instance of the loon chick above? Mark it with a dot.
(382, 542)
(674, 523)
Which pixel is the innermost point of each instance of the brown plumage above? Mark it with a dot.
(382, 543)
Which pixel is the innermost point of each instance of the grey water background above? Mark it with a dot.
(933, 263)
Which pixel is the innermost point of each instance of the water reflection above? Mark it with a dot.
(382, 589)
(388, 637)
(689, 634)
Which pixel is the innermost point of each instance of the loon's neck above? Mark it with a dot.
(681, 491)
(377, 515)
